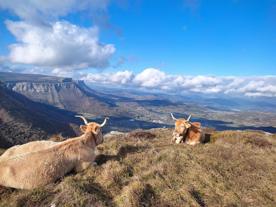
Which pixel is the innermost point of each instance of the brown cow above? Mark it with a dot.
(186, 131)
(32, 165)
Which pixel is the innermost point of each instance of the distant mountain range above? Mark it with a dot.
(34, 106)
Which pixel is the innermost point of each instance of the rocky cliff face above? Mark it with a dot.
(69, 95)
(53, 93)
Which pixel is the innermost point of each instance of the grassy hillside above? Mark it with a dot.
(145, 169)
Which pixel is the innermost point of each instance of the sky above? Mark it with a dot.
(208, 46)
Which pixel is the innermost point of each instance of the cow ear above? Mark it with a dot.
(83, 128)
(96, 130)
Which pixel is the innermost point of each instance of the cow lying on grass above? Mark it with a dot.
(28, 147)
(186, 131)
(42, 162)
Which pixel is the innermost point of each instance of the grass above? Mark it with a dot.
(236, 168)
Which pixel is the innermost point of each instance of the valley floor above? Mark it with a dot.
(142, 168)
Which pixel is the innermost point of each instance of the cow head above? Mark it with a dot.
(181, 127)
(94, 128)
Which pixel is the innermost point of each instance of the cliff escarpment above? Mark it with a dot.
(63, 93)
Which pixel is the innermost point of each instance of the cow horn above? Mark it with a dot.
(104, 122)
(189, 117)
(83, 118)
(173, 117)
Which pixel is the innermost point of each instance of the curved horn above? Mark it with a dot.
(83, 118)
(104, 122)
(189, 117)
(173, 117)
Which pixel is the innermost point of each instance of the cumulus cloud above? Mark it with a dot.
(44, 11)
(150, 78)
(259, 86)
(60, 45)
(155, 79)
(45, 41)
(120, 77)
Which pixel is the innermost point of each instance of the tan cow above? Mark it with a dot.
(32, 165)
(28, 147)
(31, 146)
(187, 132)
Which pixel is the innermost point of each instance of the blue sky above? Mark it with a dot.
(215, 37)
(214, 46)
(230, 37)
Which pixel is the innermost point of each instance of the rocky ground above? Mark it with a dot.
(142, 168)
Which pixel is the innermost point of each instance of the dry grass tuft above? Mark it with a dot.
(136, 194)
(259, 142)
(142, 135)
(237, 168)
(114, 175)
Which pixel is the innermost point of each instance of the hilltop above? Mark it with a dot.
(142, 168)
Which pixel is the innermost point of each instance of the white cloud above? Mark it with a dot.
(150, 78)
(120, 77)
(44, 11)
(59, 45)
(259, 86)
(43, 40)
(154, 79)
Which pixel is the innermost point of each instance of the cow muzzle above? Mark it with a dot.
(177, 138)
